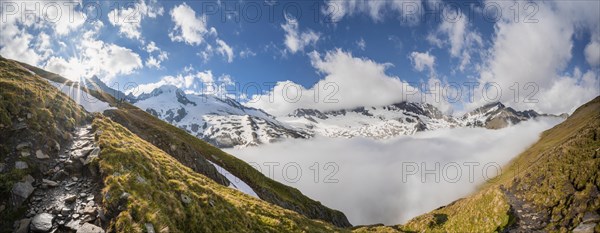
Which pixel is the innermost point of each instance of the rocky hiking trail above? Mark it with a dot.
(67, 198)
(530, 219)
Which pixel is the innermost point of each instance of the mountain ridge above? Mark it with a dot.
(236, 125)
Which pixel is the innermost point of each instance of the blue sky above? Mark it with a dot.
(186, 43)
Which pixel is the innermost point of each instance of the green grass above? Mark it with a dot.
(214, 208)
(147, 126)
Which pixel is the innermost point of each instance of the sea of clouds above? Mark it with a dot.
(392, 181)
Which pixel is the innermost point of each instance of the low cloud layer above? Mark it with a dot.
(381, 181)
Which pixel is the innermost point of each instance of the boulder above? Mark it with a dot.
(89, 228)
(74, 225)
(23, 145)
(42, 222)
(21, 165)
(70, 198)
(590, 217)
(584, 228)
(40, 155)
(66, 211)
(25, 154)
(50, 183)
(89, 210)
(20, 192)
(149, 228)
(185, 199)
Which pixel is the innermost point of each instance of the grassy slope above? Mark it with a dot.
(146, 125)
(213, 207)
(268, 189)
(49, 116)
(558, 174)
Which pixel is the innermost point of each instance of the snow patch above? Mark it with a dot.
(235, 182)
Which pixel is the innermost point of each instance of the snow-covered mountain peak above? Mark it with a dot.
(223, 122)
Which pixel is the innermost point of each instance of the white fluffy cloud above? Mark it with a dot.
(592, 53)
(225, 50)
(372, 171)
(421, 61)
(537, 54)
(294, 39)
(155, 61)
(349, 82)
(454, 31)
(189, 28)
(129, 18)
(201, 82)
(18, 42)
(96, 57)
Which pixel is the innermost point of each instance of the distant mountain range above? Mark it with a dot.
(224, 122)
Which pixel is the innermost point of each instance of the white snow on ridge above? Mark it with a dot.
(223, 122)
(235, 182)
(86, 100)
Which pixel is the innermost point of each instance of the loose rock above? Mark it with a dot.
(50, 183)
(42, 222)
(20, 192)
(23, 145)
(70, 198)
(149, 228)
(89, 228)
(185, 199)
(40, 155)
(21, 165)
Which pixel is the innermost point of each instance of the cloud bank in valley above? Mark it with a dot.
(376, 182)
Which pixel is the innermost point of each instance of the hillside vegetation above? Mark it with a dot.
(174, 140)
(143, 184)
(551, 186)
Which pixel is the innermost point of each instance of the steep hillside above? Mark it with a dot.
(175, 141)
(145, 188)
(552, 186)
